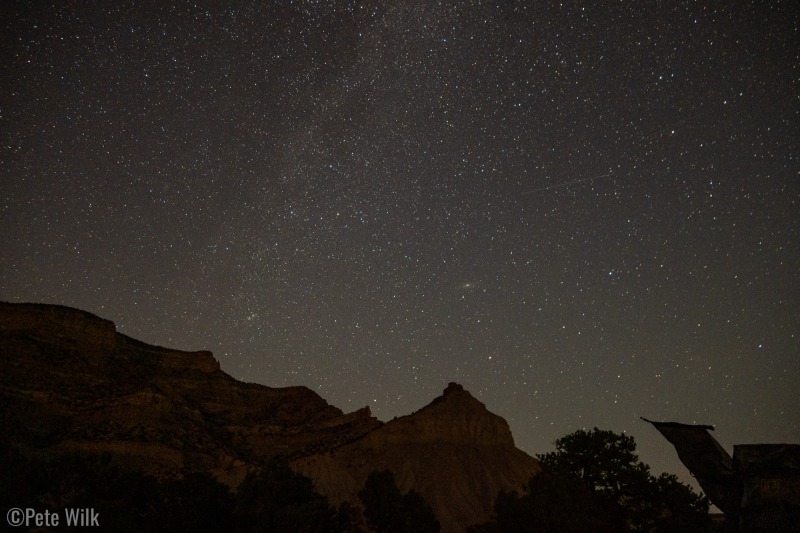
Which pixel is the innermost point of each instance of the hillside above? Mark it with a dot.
(70, 382)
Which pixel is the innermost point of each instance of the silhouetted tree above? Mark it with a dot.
(349, 519)
(275, 499)
(606, 462)
(678, 509)
(551, 503)
(198, 502)
(278, 499)
(126, 500)
(389, 511)
(595, 483)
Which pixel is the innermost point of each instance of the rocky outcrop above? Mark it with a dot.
(454, 417)
(69, 381)
(57, 323)
(176, 360)
(455, 452)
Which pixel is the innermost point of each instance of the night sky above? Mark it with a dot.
(582, 212)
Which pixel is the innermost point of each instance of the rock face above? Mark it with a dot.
(454, 452)
(57, 325)
(69, 381)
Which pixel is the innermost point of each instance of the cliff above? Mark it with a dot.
(454, 452)
(69, 381)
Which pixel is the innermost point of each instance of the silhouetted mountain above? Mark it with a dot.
(69, 382)
(454, 452)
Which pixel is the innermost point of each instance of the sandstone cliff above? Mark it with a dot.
(69, 381)
(454, 452)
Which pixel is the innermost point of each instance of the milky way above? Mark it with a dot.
(583, 213)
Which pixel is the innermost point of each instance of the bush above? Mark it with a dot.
(389, 511)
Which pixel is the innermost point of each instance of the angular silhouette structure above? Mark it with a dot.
(758, 488)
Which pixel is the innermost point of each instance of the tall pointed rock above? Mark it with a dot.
(453, 451)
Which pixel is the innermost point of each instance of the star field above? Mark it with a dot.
(584, 213)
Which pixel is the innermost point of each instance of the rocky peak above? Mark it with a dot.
(454, 417)
(452, 387)
(453, 451)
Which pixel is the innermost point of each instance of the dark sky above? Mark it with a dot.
(583, 213)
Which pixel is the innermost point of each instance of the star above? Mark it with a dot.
(320, 197)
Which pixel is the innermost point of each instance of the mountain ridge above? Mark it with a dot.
(70, 382)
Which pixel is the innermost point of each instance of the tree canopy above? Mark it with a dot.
(606, 462)
(594, 482)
